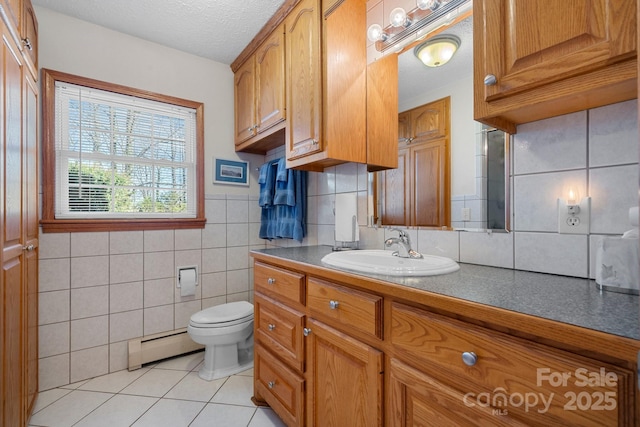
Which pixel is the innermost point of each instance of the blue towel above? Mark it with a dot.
(266, 181)
(285, 185)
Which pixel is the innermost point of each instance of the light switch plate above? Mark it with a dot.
(572, 222)
(466, 214)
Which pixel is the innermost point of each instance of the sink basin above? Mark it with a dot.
(382, 262)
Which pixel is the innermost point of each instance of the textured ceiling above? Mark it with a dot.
(214, 29)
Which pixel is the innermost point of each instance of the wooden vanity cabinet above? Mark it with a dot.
(259, 97)
(535, 59)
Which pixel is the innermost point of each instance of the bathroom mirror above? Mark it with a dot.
(475, 150)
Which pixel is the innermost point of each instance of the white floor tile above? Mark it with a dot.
(113, 383)
(155, 383)
(169, 412)
(237, 390)
(265, 417)
(247, 373)
(192, 387)
(69, 409)
(46, 398)
(121, 410)
(184, 363)
(216, 415)
(74, 386)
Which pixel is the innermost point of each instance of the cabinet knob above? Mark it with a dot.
(314, 142)
(29, 248)
(333, 304)
(490, 80)
(469, 358)
(271, 384)
(271, 280)
(306, 332)
(271, 326)
(27, 43)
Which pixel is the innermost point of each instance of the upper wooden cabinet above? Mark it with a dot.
(259, 97)
(534, 60)
(29, 35)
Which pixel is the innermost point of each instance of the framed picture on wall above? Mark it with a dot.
(233, 172)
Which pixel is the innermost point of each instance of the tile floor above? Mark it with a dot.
(169, 393)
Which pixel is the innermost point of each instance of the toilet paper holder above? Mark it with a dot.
(187, 273)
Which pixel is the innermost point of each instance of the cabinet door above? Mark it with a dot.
(430, 184)
(13, 9)
(404, 129)
(270, 108)
(29, 35)
(528, 44)
(430, 121)
(303, 87)
(395, 191)
(245, 106)
(345, 379)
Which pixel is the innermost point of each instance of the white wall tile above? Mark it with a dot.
(240, 296)
(312, 183)
(238, 258)
(184, 311)
(212, 302)
(89, 302)
(126, 297)
(159, 265)
(613, 191)
(327, 181)
(238, 234)
(237, 281)
(494, 249)
(553, 144)
(613, 134)
(214, 260)
(564, 254)
(214, 284)
(214, 236)
(362, 208)
(159, 292)
(54, 245)
(216, 211)
(126, 242)
(254, 209)
(188, 239)
(438, 242)
(326, 235)
(254, 234)
(89, 332)
(312, 209)
(89, 244)
(158, 240)
(371, 238)
(53, 339)
(53, 371)
(89, 271)
(594, 242)
(237, 211)
(53, 307)
(536, 198)
(363, 177)
(158, 319)
(54, 274)
(118, 356)
(126, 268)
(125, 325)
(188, 259)
(89, 363)
(346, 178)
(326, 204)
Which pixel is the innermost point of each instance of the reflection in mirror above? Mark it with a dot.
(419, 85)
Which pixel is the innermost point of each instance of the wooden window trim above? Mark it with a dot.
(52, 225)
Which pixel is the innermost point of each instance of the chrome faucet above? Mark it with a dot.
(404, 245)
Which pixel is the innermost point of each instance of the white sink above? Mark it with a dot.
(382, 262)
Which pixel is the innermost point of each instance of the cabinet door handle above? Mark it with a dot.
(271, 281)
(306, 332)
(27, 43)
(469, 358)
(271, 326)
(314, 142)
(271, 384)
(490, 80)
(29, 248)
(333, 304)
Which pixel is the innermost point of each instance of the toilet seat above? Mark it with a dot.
(224, 315)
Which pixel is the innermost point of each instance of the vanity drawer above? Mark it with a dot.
(279, 283)
(579, 391)
(279, 328)
(279, 386)
(348, 307)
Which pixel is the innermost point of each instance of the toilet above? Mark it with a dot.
(226, 331)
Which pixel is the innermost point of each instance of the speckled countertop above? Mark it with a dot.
(565, 299)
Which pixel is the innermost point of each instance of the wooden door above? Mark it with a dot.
(303, 80)
(270, 104)
(529, 44)
(430, 121)
(429, 184)
(345, 379)
(12, 279)
(396, 191)
(245, 104)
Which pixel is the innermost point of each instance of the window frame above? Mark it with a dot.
(49, 222)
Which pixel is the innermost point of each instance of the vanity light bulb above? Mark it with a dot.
(428, 4)
(398, 17)
(374, 33)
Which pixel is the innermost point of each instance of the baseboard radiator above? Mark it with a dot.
(160, 346)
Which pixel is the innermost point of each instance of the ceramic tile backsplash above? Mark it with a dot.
(564, 254)
(613, 134)
(495, 249)
(613, 191)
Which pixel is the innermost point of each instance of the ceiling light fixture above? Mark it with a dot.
(438, 50)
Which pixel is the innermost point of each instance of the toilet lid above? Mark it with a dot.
(224, 313)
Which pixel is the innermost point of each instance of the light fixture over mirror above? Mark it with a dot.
(438, 50)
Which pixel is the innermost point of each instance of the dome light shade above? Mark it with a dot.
(437, 51)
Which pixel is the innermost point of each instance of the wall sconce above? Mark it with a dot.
(574, 213)
(438, 50)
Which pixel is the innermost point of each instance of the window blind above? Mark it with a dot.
(119, 156)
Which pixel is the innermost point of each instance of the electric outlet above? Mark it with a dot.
(466, 214)
(574, 219)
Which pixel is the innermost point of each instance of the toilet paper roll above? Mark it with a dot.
(187, 282)
(633, 216)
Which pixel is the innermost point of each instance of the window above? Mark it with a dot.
(117, 158)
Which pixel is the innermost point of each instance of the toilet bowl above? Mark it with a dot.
(226, 331)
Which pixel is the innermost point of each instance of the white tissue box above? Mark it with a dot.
(617, 264)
